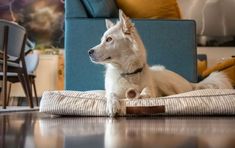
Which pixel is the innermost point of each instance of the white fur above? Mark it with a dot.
(158, 68)
(215, 80)
(122, 51)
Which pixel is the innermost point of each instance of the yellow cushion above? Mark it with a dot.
(226, 66)
(219, 66)
(150, 8)
(230, 72)
(201, 66)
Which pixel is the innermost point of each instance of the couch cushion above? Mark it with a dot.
(150, 8)
(227, 66)
(101, 8)
(74, 8)
(201, 66)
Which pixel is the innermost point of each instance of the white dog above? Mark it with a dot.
(124, 55)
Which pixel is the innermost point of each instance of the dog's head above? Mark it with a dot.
(118, 44)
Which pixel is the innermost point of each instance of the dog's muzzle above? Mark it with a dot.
(91, 52)
(94, 57)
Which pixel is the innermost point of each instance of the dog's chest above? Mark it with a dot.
(119, 84)
(116, 83)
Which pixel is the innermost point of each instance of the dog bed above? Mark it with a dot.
(93, 103)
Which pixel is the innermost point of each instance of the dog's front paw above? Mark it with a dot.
(113, 106)
(146, 93)
(144, 96)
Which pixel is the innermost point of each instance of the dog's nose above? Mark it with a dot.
(91, 51)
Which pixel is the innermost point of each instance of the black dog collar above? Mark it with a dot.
(134, 72)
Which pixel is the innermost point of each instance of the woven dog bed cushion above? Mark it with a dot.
(93, 103)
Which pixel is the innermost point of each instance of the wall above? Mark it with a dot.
(216, 54)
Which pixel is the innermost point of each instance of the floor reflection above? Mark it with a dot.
(170, 132)
(70, 132)
(40, 130)
(15, 130)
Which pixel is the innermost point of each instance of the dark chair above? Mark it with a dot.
(12, 59)
(31, 60)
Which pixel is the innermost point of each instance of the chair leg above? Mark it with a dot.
(35, 91)
(22, 83)
(9, 94)
(27, 84)
(4, 90)
(26, 89)
(5, 41)
(29, 88)
(21, 78)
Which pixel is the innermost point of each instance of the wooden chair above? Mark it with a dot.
(31, 60)
(12, 59)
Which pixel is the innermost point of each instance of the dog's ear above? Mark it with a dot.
(108, 23)
(126, 23)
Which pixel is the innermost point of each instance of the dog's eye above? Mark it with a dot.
(108, 39)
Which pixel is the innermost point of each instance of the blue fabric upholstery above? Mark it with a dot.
(170, 43)
(101, 8)
(74, 8)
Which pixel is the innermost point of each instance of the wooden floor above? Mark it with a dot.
(39, 130)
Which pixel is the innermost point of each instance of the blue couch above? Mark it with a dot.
(168, 42)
